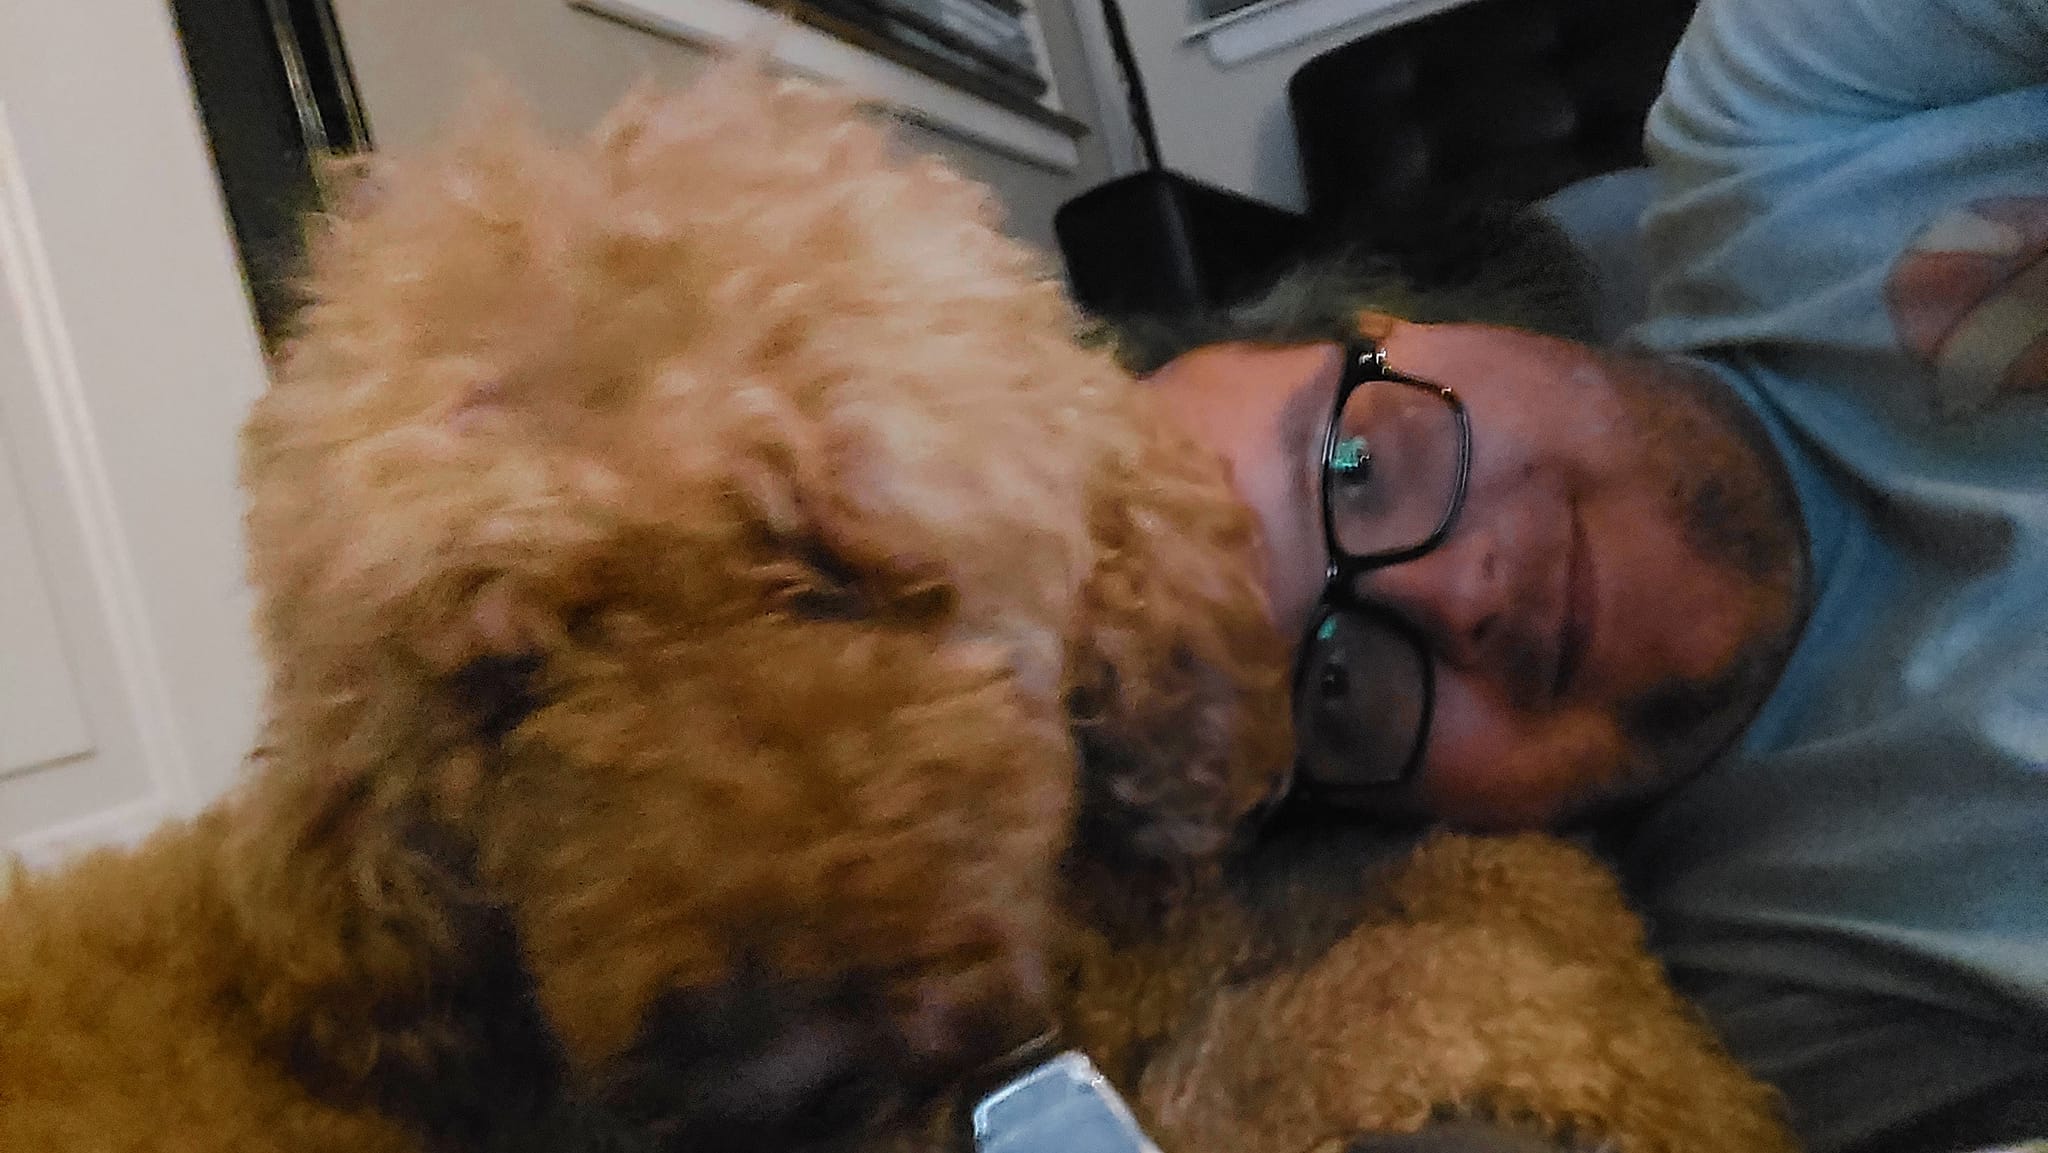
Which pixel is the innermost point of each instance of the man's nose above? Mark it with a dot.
(1457, 594)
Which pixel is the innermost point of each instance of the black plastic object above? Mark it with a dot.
(1492, 102)
(1156, 243)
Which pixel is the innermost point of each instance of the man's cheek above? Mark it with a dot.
(1723, 613)
(1493, 766)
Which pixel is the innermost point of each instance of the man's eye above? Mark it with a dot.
(1334, 682)
(1351, 461)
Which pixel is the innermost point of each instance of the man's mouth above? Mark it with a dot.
(1576, 617)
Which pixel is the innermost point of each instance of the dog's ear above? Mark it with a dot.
(1177, 677)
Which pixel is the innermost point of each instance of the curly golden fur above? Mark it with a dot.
(738, 664)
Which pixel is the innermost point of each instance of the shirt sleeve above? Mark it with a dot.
(1757, 73)
(1853, 196)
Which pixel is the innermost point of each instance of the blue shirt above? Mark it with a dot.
(1850, 226)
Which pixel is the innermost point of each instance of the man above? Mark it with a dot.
(1766, 596)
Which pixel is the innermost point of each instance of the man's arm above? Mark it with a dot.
(1851, 229)
(1809, 151)
(1752, 74)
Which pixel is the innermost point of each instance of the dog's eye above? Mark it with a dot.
(829, 589)
(498, 692)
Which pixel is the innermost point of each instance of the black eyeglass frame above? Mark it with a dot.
(1365, 363)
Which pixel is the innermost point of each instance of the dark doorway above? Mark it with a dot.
(278, 100)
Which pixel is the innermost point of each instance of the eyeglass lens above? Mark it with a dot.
(1361, 703)
(1393, 471)
(1392, 477)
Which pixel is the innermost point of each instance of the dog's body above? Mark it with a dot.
(738, 666)
(131, 1013)
(1344, 982)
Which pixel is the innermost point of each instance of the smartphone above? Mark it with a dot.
(1065, 1105)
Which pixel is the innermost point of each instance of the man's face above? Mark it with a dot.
(1617, 595)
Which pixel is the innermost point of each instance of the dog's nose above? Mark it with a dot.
(498, 691)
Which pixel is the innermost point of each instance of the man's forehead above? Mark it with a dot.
(1243, 398)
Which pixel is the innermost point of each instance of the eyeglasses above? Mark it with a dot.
(1397, 454)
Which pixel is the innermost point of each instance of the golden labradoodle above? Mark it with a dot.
(737, 668)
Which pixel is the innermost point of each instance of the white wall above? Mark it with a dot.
(1226, 126)
(413, 58)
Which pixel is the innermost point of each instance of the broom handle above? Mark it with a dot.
(1134, 83)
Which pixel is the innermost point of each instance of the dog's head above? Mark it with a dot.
(713, 533)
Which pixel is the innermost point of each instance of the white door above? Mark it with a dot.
(128, 681)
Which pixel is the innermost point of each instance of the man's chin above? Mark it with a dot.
(1540, 777)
